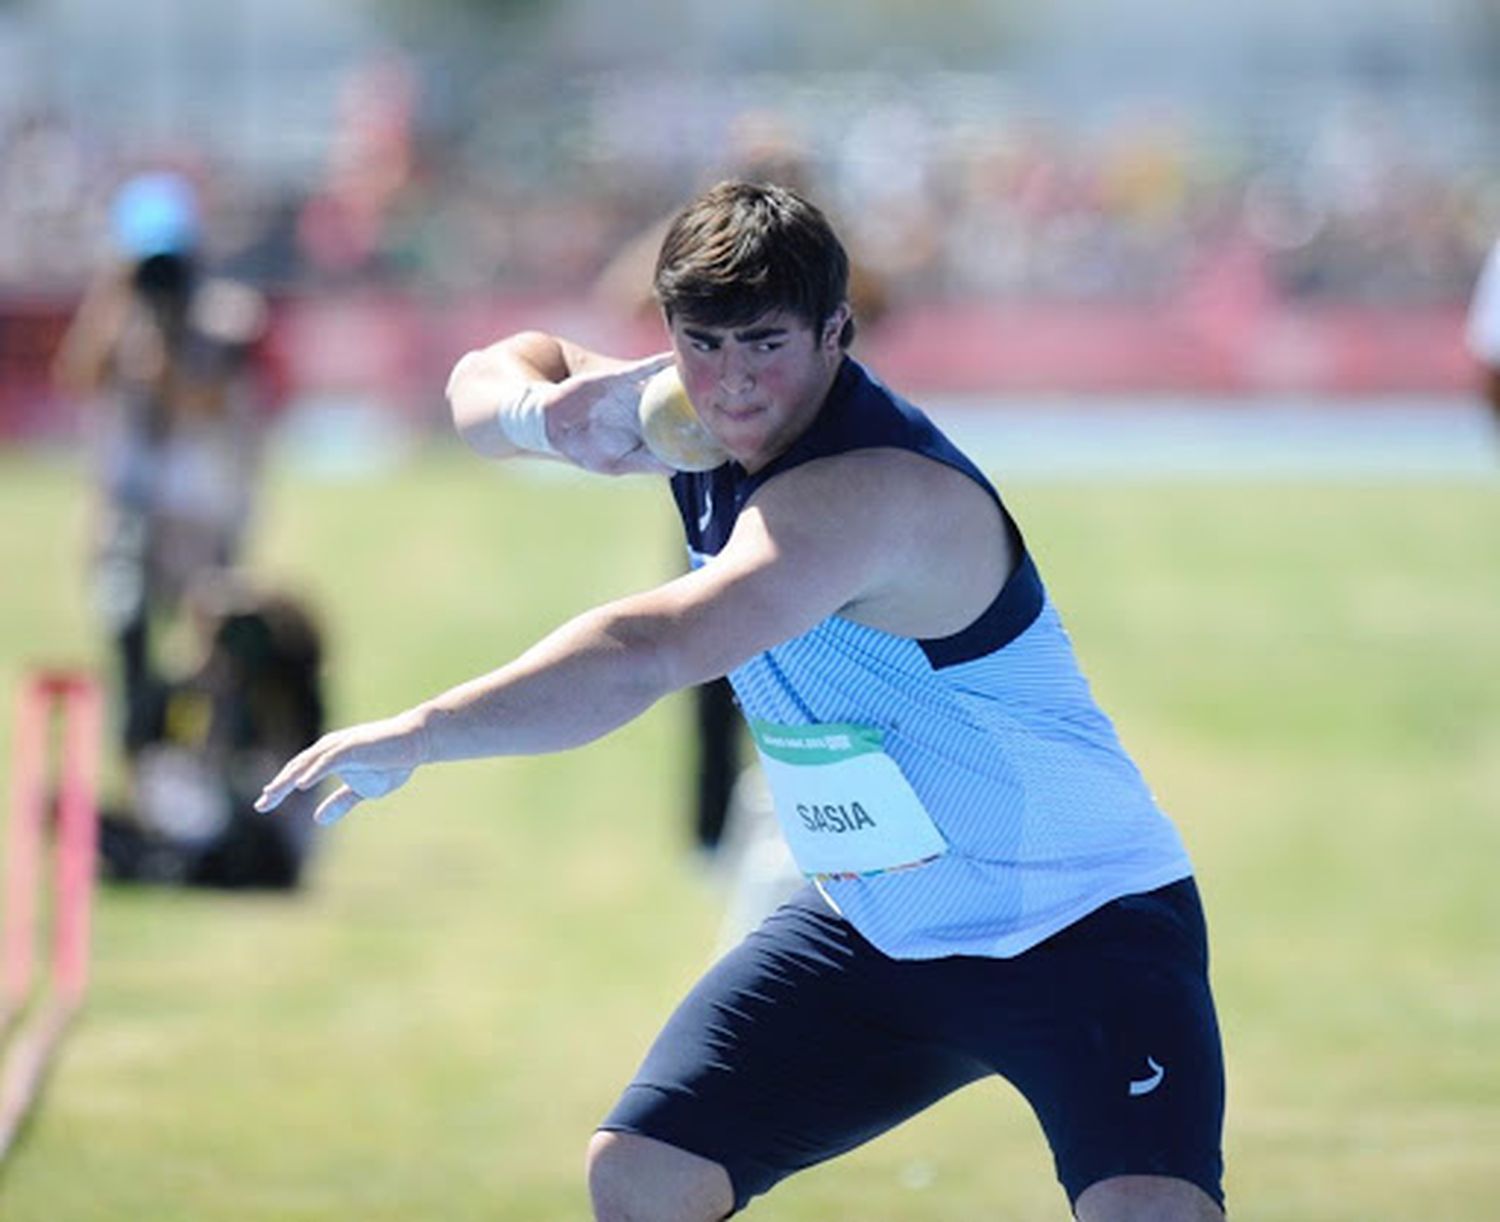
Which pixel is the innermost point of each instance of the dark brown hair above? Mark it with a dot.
(744, 249)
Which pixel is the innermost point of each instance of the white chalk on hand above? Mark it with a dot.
(523, 420)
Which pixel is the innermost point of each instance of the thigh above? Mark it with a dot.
(1120, 1055)
(785, 1055)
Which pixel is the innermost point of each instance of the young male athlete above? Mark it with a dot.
(993, 889)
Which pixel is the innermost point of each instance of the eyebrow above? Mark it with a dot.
(750, 336)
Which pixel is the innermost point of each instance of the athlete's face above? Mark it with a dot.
(759, 385)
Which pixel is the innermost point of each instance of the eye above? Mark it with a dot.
(768, 345)
(701, 345)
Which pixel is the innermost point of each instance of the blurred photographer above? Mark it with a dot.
(161, 353)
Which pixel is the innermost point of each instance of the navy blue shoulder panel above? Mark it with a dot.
(860, 413)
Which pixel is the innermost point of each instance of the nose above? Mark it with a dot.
(735, 374)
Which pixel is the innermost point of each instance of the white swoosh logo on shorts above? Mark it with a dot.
(708, 508)
(1144, 1086)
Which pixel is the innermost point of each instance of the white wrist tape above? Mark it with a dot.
(523, 420)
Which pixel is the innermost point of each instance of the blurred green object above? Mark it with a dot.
(1308, 672)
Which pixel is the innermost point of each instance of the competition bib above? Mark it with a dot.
(842, 802)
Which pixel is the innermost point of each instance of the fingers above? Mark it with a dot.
(641, 461)
(373, 782)
(332, 755)
(336, 805)
(300, 772)
(633, 378)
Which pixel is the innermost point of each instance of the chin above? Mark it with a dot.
(737, 434)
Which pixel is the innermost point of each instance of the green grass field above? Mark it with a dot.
(1309, 674)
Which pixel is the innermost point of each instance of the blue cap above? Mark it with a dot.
(155, 214)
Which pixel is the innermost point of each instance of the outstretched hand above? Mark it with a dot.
(369, 761)
(594, 419)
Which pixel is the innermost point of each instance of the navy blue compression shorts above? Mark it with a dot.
(805, 1041)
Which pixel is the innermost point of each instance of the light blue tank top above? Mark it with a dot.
(1045, 816)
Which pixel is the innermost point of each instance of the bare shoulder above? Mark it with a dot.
(936, 545)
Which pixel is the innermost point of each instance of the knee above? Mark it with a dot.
(639, 1179)
(1146, 1198)
(607, 1165)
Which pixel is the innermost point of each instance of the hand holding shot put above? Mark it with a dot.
(541, 395)
(992, 889)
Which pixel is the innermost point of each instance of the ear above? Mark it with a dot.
(833, 327)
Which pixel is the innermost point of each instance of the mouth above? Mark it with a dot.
(738, 414)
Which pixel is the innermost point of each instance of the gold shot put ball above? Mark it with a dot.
(671, 428)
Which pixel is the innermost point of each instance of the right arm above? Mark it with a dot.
(84, 358)
(576, 404)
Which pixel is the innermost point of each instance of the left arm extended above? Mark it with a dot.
(821, 539)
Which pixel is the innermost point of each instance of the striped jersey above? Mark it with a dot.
(1044, 814)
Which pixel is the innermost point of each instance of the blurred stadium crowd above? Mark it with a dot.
(950, 188)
